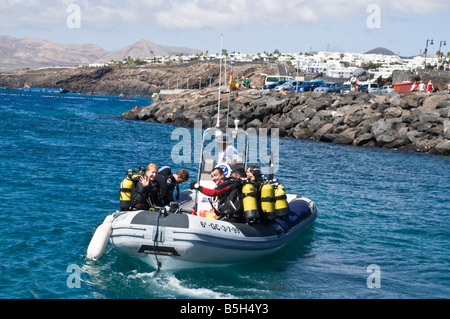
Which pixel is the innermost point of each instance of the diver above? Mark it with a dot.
(226, 191)
(239, 173)
(168, 182)
(254, 174)
(147, 192)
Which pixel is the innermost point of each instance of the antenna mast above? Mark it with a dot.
(220, 81)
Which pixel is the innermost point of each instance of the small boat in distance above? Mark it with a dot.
(27, 88)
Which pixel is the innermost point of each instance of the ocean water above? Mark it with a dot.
(382, 231)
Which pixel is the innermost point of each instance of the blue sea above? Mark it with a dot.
(383, 229)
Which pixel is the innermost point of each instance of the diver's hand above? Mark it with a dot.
(144, 181)
(194, 185)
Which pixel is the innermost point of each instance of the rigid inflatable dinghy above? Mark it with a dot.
(189, 232)
(174, 240)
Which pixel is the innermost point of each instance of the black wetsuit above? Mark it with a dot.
(146, 197)
(167, 185)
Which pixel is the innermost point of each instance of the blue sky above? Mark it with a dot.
(248, 26)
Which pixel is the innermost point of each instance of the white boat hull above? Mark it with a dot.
(184, 240)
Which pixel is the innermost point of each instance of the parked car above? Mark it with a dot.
(330, 87)
(387, 89)
(293, 85)
(273, 85)
(289, 85)
(272, 79)
(282, 86)
(363, 87)
(368, 87)
(307, 86)
(345, 88)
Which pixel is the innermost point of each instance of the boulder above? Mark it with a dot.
(346, 137)
(446, 129)
(393, 111)
(442, 148)
(363, 139)
(383, 132)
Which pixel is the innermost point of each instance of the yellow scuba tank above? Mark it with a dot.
(126, 188)
(250, 203)
(281, 204)
(268, 201)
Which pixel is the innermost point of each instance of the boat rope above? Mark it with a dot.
(155, 243)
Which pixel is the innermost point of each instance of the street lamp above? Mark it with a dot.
(426, 51)
(440, 45)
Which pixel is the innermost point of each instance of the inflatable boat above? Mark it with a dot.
(189, 232)
(174, 240)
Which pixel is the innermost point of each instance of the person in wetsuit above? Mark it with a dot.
(224, 188)
(168, 182)
(147, 192)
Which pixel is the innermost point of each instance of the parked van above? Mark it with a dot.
(373, 88)
(271, 79)
(368, 87)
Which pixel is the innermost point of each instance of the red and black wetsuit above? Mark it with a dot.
(222, 190)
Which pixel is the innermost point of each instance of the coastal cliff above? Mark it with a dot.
(135, 81)
(410, 122)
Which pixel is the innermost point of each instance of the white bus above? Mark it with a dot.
(271, 79)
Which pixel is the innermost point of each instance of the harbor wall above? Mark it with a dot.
(411, 122)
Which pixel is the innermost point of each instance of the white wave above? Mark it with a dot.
(168, 283)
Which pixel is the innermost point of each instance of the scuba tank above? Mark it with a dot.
(268, 201)
(250, 203)
(131, 177)
(281, 204)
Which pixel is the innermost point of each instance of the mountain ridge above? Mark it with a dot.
(18, 53)
(380, 50)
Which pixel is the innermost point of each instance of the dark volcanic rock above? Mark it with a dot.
(417, 122)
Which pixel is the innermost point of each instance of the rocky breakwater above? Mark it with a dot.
(410, 122)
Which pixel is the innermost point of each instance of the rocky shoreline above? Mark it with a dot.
(409, 122)
(134, 81)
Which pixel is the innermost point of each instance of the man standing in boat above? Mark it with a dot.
(223, 191)
(228, 154)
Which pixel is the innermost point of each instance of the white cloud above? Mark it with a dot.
(197, 14)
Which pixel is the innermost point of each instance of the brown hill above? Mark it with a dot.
(37, 53)
(146, 49)
(34, 53)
